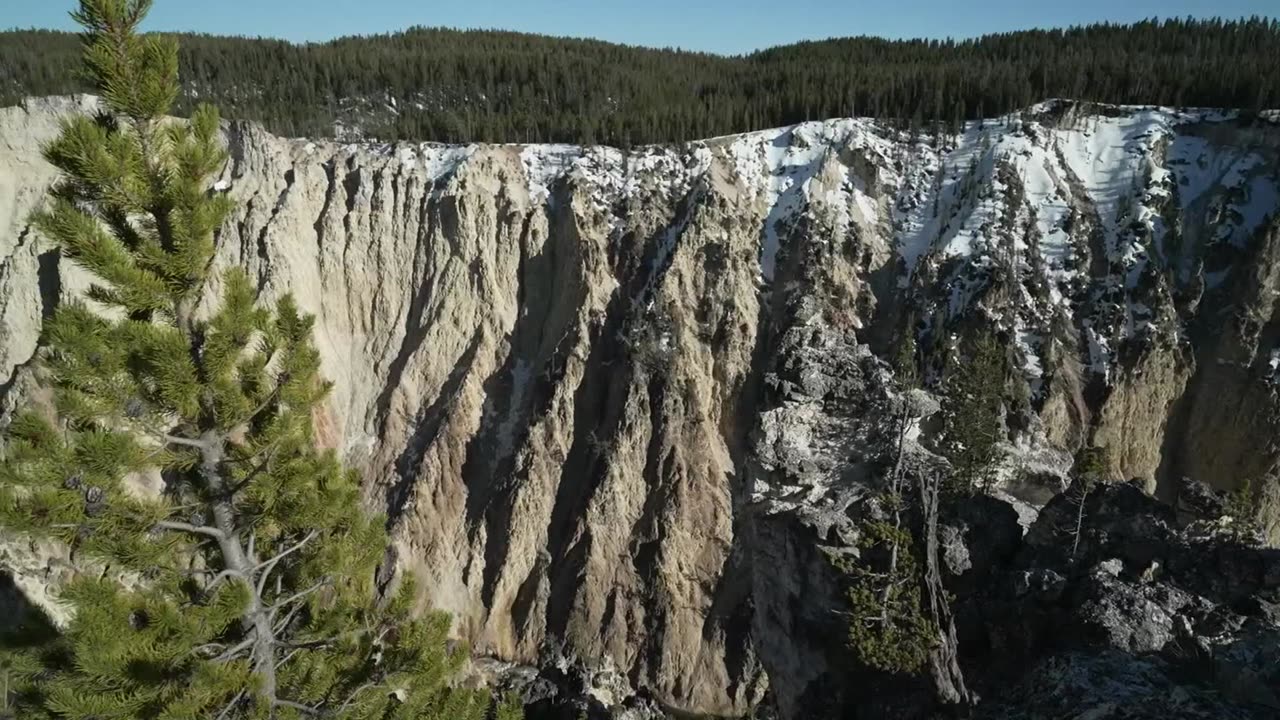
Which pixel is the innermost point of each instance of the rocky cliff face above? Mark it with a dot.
(616, 404)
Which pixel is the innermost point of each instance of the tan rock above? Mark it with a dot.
(548, 360)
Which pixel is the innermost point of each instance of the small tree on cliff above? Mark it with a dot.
(887, 626)
(972, 407)
(1251, 509)
(888, 629)
(246, 588)
(1088, 470)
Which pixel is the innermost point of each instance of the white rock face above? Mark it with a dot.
(548, 359)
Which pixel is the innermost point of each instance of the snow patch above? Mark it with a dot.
(544, 164)
(779, 168)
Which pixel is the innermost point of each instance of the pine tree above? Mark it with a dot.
(1088, 470)
(888, 628)
(1250, 510)
(246, 588)
(972, 412)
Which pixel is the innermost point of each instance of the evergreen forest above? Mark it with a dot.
(462, 86)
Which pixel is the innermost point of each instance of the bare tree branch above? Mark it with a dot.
(266, 402)
(220, 577)
(143, 428)
(267, 449)
(287, 657)
(298, 596)
(231, 705)
(352, 697)
(304, 709)
(284, 624)
(329, 641)
(231, 653)
(185, 442)
(205, 530)
(256, 471)
(207, 647)
(268, 565)
(257, 618)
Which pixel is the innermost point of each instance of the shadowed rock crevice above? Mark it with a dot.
(423, 309)
(550, 295)
(599, 404)
(50, 281)
(425, 429)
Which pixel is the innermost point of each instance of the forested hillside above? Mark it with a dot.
(449, 85)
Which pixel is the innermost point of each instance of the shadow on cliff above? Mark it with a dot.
(428, 422)
(426, 426)
(550, 292)
(23, 625)
(49, 280)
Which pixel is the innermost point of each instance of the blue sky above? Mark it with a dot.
(725, 26)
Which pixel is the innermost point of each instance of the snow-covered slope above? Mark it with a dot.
(1054, 194)
(1088, 237)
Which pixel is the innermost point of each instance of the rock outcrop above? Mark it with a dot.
(620, 407)
(1140, 619)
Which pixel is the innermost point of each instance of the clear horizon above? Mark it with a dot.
(718, 26)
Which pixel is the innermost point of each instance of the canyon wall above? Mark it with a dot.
(611, 401)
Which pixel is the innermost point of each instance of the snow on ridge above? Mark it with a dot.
(600, 167)
(442, 160)
(953, 187)
(670, 171)
(1026, 191)
(544, 164)
(436, 160)
(1112, 157)
(779, 168)
(840, 126)
(1031, 192)
(612, 173)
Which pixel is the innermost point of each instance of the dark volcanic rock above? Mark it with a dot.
(1145, 621)
(1108, 685)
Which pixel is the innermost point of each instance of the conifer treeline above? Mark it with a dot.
(449, 85)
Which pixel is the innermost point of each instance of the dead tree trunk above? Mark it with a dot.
(944, 663)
